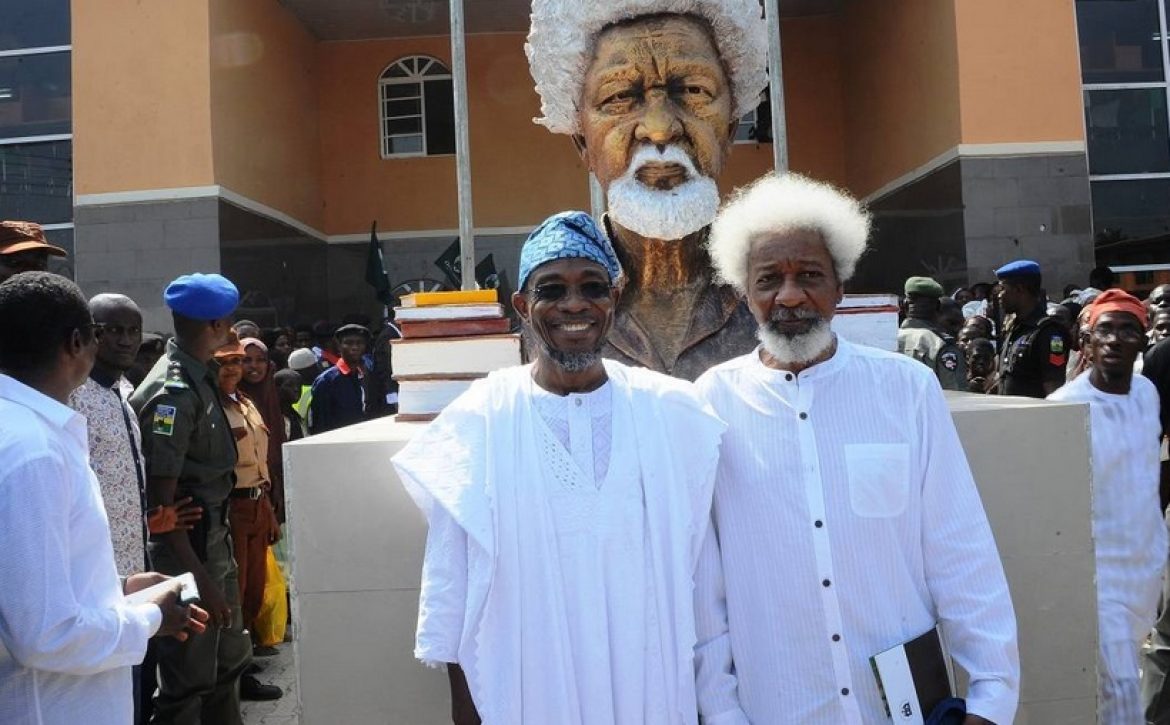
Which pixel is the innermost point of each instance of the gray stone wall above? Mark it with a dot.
(962, 221)
(1030, 207)
(405, 259)
(136, 249)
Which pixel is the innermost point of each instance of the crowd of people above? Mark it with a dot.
(1010, 337)
(182, 434)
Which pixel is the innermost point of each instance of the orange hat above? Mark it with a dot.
(25, 236)
(1116, 300)
(232, 348)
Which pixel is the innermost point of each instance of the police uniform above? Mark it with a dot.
(930, 345)
(186, 436)
(1035, 347)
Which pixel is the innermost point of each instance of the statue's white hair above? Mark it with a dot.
(563, 34)
(778, 203)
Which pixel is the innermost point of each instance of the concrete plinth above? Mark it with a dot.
(357, 543)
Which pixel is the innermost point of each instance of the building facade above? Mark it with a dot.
(36, 126)
(261, 138)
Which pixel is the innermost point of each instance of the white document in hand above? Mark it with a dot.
(188, 591)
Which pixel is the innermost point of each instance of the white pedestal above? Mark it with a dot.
(357, 544)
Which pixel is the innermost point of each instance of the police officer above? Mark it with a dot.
(1034, 349)
(190, 451)
(922, 338)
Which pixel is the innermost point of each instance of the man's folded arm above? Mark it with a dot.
(442, 601)
(41, 621)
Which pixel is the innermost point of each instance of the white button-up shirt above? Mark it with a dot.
(845, 522)
(67, 639)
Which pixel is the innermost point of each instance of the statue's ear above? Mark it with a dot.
(579, 144)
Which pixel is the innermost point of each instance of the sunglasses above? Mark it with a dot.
(555, 292)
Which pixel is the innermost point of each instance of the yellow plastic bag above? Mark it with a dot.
(273, 617)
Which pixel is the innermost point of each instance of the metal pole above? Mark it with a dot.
(776, 87)
(462, 147)
(596, 198)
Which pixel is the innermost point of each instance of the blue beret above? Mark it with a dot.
(1018, 268)
(202, 296)
(568, 235)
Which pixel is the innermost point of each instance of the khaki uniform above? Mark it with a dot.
(253, 520)
(185, 435)
(937, 350)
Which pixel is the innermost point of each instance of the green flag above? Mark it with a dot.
(376, 271)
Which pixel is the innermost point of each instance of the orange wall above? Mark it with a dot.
(813, 77)
(521, 173)
(900, 86)
(1019, 71)
(141, 95)
(264, 107)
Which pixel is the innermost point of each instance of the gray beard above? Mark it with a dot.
(569, 362)
(796, 349)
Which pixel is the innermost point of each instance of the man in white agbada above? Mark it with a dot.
(845, 520)
(1129, 534)
(567, 502)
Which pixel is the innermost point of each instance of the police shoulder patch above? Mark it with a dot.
(164, 420)
(1056, 345)
(949, 360)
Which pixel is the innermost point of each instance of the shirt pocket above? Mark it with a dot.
(879, 478)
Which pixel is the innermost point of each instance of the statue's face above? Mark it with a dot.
(656, 116)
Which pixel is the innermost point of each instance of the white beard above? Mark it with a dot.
(797, 349)
(659, 214)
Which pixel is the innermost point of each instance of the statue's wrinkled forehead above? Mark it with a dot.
(654, 43)
(563, 35)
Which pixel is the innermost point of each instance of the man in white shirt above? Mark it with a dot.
(845, 520)
(1129, 534)
(67, 637)
(567, 502)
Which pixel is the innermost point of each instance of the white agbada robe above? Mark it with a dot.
(1129, 534)
(563, 585)
(845, 521)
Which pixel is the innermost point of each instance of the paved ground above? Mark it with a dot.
(280, 671)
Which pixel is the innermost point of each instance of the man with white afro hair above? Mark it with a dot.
(783, 202)
(845, 520)
(651, 92)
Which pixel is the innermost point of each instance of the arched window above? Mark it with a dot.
(417, 107)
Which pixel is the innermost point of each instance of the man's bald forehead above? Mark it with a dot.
(110, 302)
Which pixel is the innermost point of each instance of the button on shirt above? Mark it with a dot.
(67, 639)
(845, 522)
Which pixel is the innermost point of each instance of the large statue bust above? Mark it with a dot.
(651, 92)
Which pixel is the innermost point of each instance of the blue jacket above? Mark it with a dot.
(339, 399)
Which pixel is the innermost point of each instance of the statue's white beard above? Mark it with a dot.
(660, 214)
(797, 349)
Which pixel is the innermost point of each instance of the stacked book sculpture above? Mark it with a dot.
(449, 339)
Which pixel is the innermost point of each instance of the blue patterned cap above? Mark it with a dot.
(568, 235)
